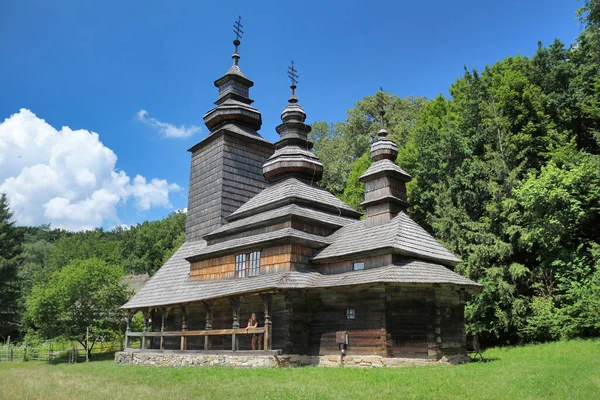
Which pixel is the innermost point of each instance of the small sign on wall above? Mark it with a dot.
(341, 337)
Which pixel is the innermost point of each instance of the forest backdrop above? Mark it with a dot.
(506, 173)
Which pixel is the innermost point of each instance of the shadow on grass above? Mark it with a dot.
(480, 359)
(64, 358)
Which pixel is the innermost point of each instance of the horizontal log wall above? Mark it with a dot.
(452, 333)
(408, 321)
(327, 311)
(410, 315)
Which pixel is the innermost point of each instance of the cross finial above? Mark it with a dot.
(381, 105)
(292, 74)
(237, 29)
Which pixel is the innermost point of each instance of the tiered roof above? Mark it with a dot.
(401, 235)
(293, 190)
(293, 194)
(172, 284)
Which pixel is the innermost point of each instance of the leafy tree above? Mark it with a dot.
(36, 250)
(83, 294)
(354, 192)
(145, 247)
(10, 240)
(342, 144)
(83, 245)
(505, 173)
(331, 145)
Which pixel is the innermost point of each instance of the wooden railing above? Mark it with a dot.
(206, 333)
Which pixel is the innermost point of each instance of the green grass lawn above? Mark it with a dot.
(562, 370)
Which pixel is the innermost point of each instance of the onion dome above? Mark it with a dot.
(234, 103)
(293, 156)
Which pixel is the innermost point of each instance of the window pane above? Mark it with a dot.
(254, 264)
(350, 314)
(240, 265)
(359, 265)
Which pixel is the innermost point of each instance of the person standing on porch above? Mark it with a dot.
(253, 323)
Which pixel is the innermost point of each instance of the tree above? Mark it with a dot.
(34, 263)
(505, 174)
(84, 294)
(145, 247)
(342, 144)
(10, 239)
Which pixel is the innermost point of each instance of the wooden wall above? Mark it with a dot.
(287, 257)
(327, 315)
(410, 315)
(251, 232)
(452, 335)
(414, 321)
(346, 266)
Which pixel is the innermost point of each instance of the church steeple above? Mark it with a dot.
(385, 182)
(232, 149)
(233, 104)
(293, 157)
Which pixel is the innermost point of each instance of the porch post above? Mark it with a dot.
(164, 312)
(128, 329)
(208, 306)
(145, 314)
(267, 303)
(236, 302)
(184, 325)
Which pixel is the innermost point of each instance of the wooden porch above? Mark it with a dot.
(208, 333)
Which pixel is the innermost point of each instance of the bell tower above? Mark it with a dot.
(226, 169)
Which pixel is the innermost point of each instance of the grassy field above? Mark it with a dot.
(562, 370)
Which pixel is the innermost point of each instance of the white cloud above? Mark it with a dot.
(67, 177)
(166, 129)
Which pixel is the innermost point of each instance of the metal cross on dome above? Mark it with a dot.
(237, 28)
(381, 101)
(293, 75)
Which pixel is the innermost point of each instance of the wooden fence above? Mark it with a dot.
(51, 353)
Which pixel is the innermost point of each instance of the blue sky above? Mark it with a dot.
(93, 66)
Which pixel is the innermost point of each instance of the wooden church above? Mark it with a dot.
(262, 237)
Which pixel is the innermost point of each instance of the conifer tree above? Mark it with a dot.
(9, 253)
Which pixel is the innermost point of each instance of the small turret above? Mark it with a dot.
(385, 182)
(293, 157)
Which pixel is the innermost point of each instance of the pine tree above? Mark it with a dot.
(9, 254)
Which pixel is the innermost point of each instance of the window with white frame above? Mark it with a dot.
(240, 266)
(358, 265)
(247, 264)
(350, 313)
(254, 263)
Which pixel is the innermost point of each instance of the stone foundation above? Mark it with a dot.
(270, 361)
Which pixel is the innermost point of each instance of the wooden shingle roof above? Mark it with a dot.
(173, 285)
(271, 216)
(401, 235)
(292, 190)
(382, 167)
